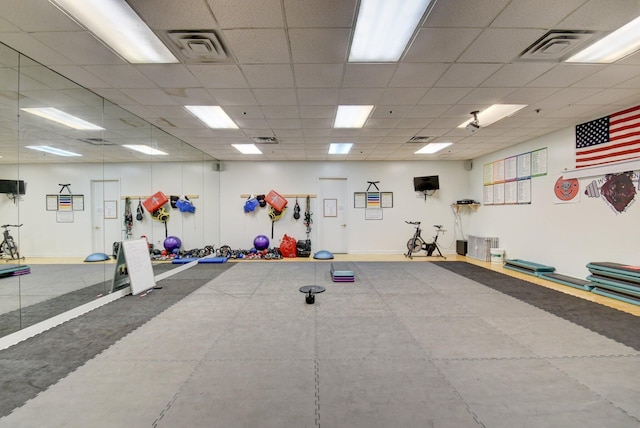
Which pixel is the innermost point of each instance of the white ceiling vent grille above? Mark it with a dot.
(202, 46)
(265, 140)
(557, 45)
(420, 140)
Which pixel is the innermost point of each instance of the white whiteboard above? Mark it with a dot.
(136, 254)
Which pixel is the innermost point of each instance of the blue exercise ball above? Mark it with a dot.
(172, 243)
(261, 242)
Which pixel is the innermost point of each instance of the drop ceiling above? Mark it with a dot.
(284, 72)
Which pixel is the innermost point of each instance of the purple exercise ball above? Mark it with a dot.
(172, 243)
(261, 242)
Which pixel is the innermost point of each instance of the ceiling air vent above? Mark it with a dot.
(419, 140)
(557, 45)
(265, 140)
(96, 141)
(198, 46)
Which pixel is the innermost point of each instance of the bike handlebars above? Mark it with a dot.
(413, 222)
(10, 225)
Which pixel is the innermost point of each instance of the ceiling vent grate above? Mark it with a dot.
(198, 46)
(96, 141)
(557, 45)
(265, 140)
(419, 140)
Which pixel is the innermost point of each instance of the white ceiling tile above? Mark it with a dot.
(251, 46)
(612, 75)
(368, 75)
(33, 48)
(319, 112)
(402, 96)
(486, 96)
(517, 74)
(247, 13)
(122, 76)
(601, 15)
(275, 97)
(327, 13)
(440, 44)
(444, 96)
(268, 75)
(528, 96)
(233, 97)
(566, 97)
(415, 75)
(318, 75)
(219, 76)
(169, 75)
(191, 96)
(465, 13)
(307, 48)
(563, 75)
(466, 75)
(280, 112)
(535, 14)
(500, 45)
(319, 97)
(359, 96)
(81, 76)
(175, 15)
(149, 97)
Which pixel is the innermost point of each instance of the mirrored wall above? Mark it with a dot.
(79, 183)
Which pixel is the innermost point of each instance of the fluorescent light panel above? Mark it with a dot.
(212, 116)
(63, 118)
(53, 151)
(144, 149)
(247, 149)
(383, 29)
(115, 24)
(432, 148)
(340, 148)
(622, 42)
(494, 113)
(352, 116)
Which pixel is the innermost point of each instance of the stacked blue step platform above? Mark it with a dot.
(340, 272)
(616, 280)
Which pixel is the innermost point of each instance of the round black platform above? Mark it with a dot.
(311, 291)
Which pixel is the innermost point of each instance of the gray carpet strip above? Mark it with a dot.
(609, 322)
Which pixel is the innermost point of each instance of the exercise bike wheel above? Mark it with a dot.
(415, 245)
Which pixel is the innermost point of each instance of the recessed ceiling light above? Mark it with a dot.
(432, 148)
(352, 116)
(53, 151)
(622, 42)
(212, 116)
(383, 29)
(340, 148)
(247, 149)
(145, 149)
(115, 24)
(493, 114)
(63, 118)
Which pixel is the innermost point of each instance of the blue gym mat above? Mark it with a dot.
(524, 266)
(185, 260)
(568, 280)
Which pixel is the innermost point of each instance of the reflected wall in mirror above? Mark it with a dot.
(77, 154)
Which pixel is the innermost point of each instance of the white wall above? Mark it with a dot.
(565, 236)
(42, 236)
(389, 235)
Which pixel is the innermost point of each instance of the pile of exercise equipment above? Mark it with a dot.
(615, 280)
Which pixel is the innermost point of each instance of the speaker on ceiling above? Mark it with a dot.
(468, 164)
(218, 166)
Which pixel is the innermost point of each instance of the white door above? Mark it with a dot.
(106, 224)
(332, 232)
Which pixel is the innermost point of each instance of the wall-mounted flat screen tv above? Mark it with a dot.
(427, 183)
(13, 187)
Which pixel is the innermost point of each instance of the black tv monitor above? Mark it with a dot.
(427, 183)
(13, 187)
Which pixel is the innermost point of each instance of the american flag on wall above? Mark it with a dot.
(609, 139)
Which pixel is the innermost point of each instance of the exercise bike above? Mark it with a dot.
(417, 244)
(8, 247)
